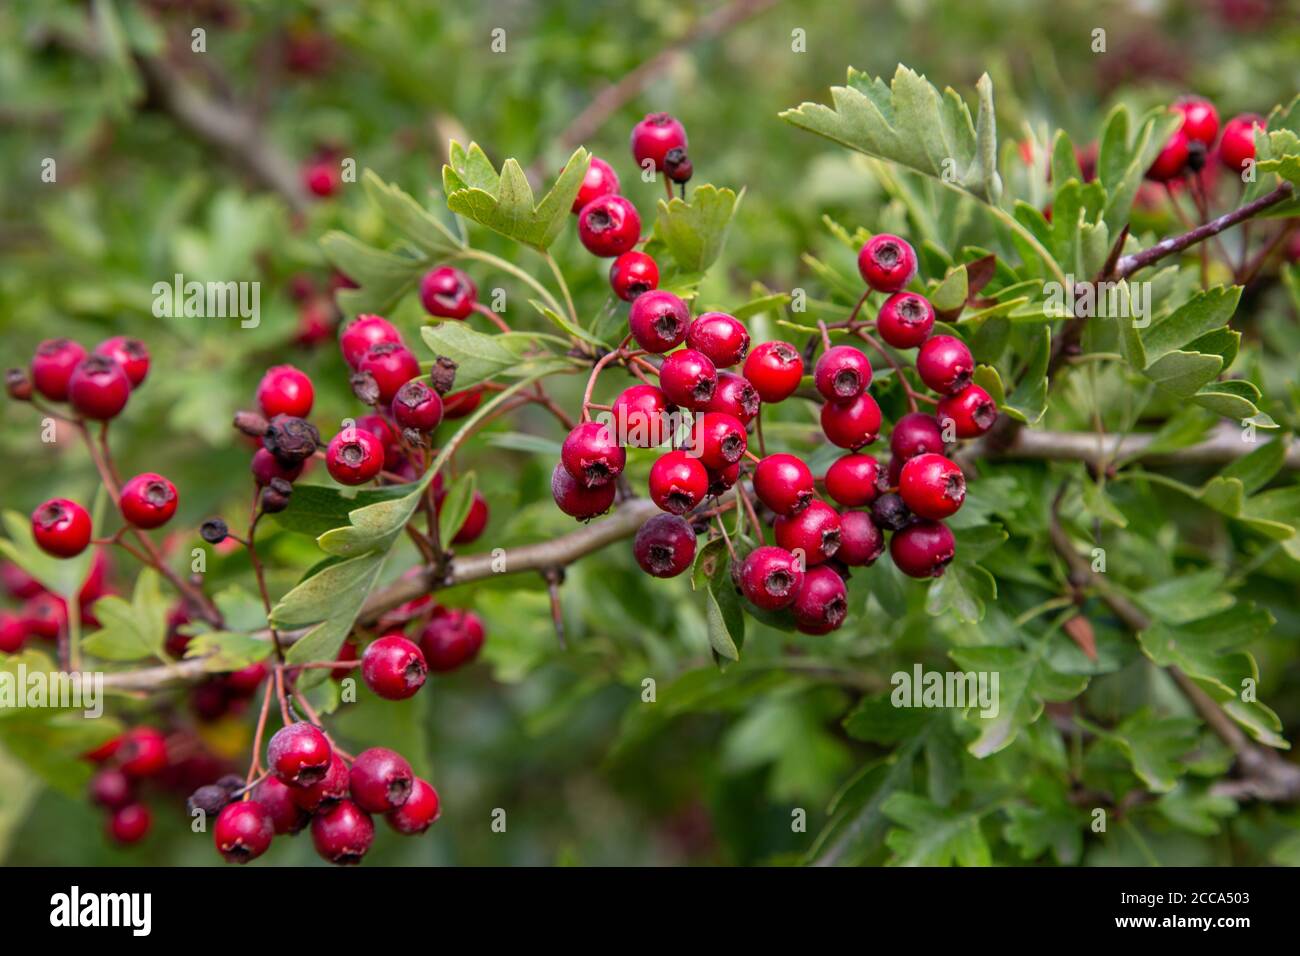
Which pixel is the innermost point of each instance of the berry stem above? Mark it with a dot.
(568, 299)
(492, 317)
(256, 764)
(893, 362)
(506, 266)
(753, 515)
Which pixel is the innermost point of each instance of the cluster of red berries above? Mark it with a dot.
(1193, 146)
(125, 762)
(42, 614)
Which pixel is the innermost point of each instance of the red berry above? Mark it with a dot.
(18, 582)
(328, 790)
(460, 404)
(720, 336)
(932, 486)
(143, 752)
(98, 388)
(664, 546)
(363, 333)
(148, 500)
(419, 811)
(1171, 160)
(658, 321)
(771, 578)
(278, 800)
(861, 541)
(105, 751)
(721, 480)
(600, 180)
(1237, 147)
(814, 531)
(688, 379)
(575, 500)
(245, 681)
(774, 369)
(354, 456)
(45, 615)
(783, 483)
(321, 179)
(853, 424)
(416, 405)
(842, 373)
(914, 434)
(887, 263)
(243, 831)
(718, 439)
(266, 466)
(13, 632)
(452, 637)
(448, 293)
(391, 366)
(922, 549)
(678, 482)
(945, 364)
(633, 274)
(111, 789)
(851, 480)
(654, 136)
(284, 390)
(381, 780)
(393, 667)
(61, 528)
(821, 603)
(971, 411)
(378, 426)
(129, 353)
(592, 456)
(639, 416)
(130, 824)
(905, 320)
(736, 397)
(343, 833)
(299, 754)
(1200, 119)
(52, 367)
(609, 226)
(475, 521)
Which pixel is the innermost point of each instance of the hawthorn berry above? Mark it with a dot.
(17, 582)
(971, 411)
(633, 274)
(914, 434)
(391, 366)
(460, 404)
(736, 397)
(861, 541)
(890, 512)
(722, 479)
(814, 531)
(393, 667)
(342, 833)
(842, 373)
(354, 456)
(720, 440)
(599, 180)
(678, 482)
(638, 415)
(45, 615)
(321, 179)
(13, 632)
(284, 390)
(378, 426)
(416, 405)
(266, 466)
(821, 603)
(52, 367)
(905, 320)
(609, 226)
(381, 780)
(654, 136)
(451, 638)
(771, 577)
(851, 480)
(280, 801)
(143, 752)
(363, 333)
(291, 440)
(245, 681)
(688, 379)
(475, 521)
(243, 831)
(575, 500)
(1171, 160)
(448, 293)
(678, 166)
(210, 799)
(148, 500)
(1237, 147)
(887, 263)
(720, 336)
(851, 424)
(61, 528)
(932, 486)
(418, 813)
(328, 790)
(18, 385)
(664, 546)
(592, 456)
(945, 364)
(299, 754)
(922, 549)
(111, 789)
(658, 321)
(129, 353)
(98, 388)
(130, 824)
(784, 483)
(1200, 119)
(774, 369)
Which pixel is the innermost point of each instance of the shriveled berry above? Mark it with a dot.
(448, 293)
(599, 180)
(299, 754)
(890, 512)
(209, 799)
(364, 332)
(131, 354)
(575, 500)
(416, 405)
(418, 813)
(591, 455)
(771, 578)
(453, 637)
(633, 274)
(291, 440)
(887, 263)
(148, 500)
(851, 424)
(284, 390)
(814, 532)
(381, 780)
(52, 367)
(61, 527)
(609, 226)
(654, 136)
(971, 411)
(98, 388)
(842, 373)
(822, 602)
(922, 549)
(688, 379)
(720, 336)
(945, 364)
(678, 482)
(354, 456)
(243, 831)
(735, 396)
(664, 546)
(861, 541)
(905, 320)
(718, 439)
(914, 434)
(393, 667)
(774, 369)
(343, 833)
(784, 483)
(658, 321)
(639, 416)
(852, 480)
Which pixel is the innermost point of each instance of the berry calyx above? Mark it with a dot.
(842, 373)
(720, 336)
(774, 369)
(381, 780)
(451, 639)
(448, 293)
(243, 831)
(678, 482)
(343, 833)
(284, 390)
(658, 321)
(784, 483)
(905, 320)
(578, 501)
(299, 754)
(363, 333)
(719, 440)
(1237, 148)
(851, 480)
(851, 424)
(887, 263)
(148, 500)
(418, 813)
(945, 364)
(52, 367)
(664, 546)
(633, 274)
(914, 434)
(922, 549)
(814, 532)
(771, 578)
(735, 396)
(638, 415)
(654, 136)
(821, 603)
(592, 456)
(61, 528)
(354, 456)
(688, 379)
(861, 540)
(98, 388)
(391, 366)
(1200, 119)
(609, 226)
(416, 405)
(599, 180)
(932, 486)
(393, 667)
(971, 411)
(129, 353)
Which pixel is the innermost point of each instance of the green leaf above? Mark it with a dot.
(726, 621)
(383, 277)
(1028, 399)
(949, 296)
(225, 651)
(414, 222)
(1257, 469)
(1196, 809)
(962, 591)
(316, 509)
(241, 610)
(1156, 746)
(694, 232)
(1122, 161)
(1202, 313)
(328, 602)
(454, 509)
(929, 835)
(565, 325)
(479, 356)
(130, 632)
